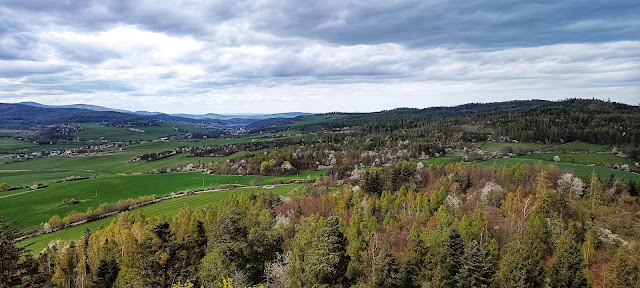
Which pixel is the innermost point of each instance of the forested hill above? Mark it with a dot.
(593, 121)
(20, 116)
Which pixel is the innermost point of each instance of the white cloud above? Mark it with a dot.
(251, 56)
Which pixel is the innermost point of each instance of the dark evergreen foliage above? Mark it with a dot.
(452, 259)
(106, 273)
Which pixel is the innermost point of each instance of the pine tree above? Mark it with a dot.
(477, 271)
(568, 265)
(452, 258)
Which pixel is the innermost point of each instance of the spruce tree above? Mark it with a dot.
(568, 265)
(477, 271)
(106, 273)
(625, 273)
(327, 259)
(11, 269)
(408, 275)
(521, 265)
(386, 271)
(452, 258)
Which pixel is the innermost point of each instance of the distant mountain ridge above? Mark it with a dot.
(243, 116)
(212, 116)
(76, 106)
(25, 116)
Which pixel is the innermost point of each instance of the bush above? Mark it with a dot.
(4, 187)
(66, 202)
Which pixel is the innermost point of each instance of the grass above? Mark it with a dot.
(13, 146)
(47, 170)
(577, 169)
(582, 158)
(165, 208)
(44, 203)
(518, 148)
(439, 160)
(96, 132)
(578, 147)
(14, 133)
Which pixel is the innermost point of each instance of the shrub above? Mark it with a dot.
(4, 187)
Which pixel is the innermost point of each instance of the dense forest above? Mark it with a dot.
(592, 121)
(455, 225)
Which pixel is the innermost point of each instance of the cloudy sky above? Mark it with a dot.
(292, 55)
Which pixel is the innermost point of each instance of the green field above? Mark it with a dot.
(47, 170)
(44, 203)
(13, 146)
(578, 147)
(96, 132)
(578, 169)
(14, 133)
(163, 209)
(518, 148)
(439, 160)
(582, 158)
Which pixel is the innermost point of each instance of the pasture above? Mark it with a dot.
(577, 147)
(438, 160)
(14, 133)
(51, 169)
(577, 169)
(582, 158)
(96, 132)
(164, 209)
(46, 202)
(518, 148)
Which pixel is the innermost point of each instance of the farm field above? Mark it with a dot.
(47, 170)
(165, 208)
(577, 169)
(96, 131)
(8, 146)
(582, 158)
(577, 147)
(518, 148)
(14, 133)
(46, 202)
(13, 145)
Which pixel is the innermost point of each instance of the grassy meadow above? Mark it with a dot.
(518, 148)
(577, 169)
(577, 147)
(97, 131)
(582, 158)
(46, 202)
(51, 169)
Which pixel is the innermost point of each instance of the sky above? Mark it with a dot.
(268, 56)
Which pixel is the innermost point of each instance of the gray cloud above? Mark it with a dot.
(223, 56)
